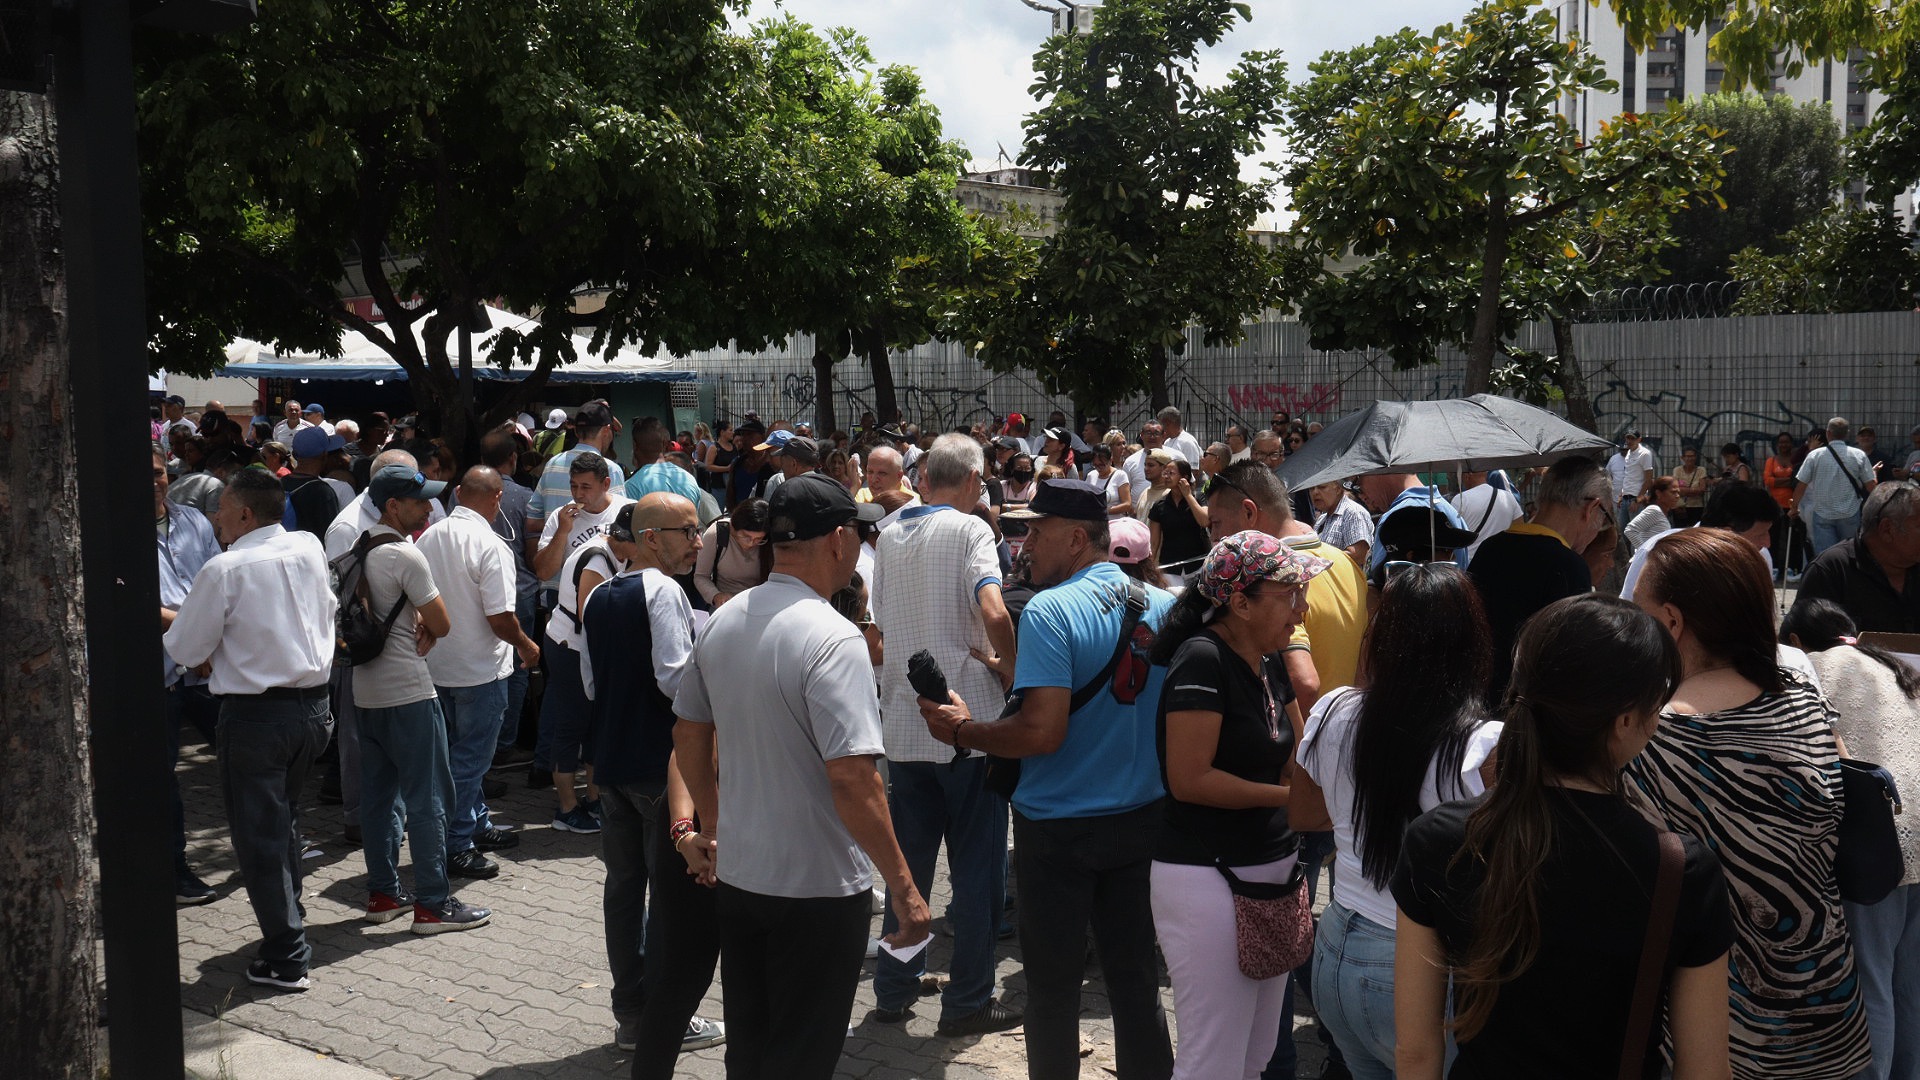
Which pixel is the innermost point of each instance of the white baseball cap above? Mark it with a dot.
(556, 419)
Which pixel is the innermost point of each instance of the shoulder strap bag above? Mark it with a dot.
(1651, 979)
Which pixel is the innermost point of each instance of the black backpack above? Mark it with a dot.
(361, 636)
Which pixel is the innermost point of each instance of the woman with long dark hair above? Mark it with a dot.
(1227, 726)
(1373, 759)
(1876, 702)
(1535, 898)
(1746, 759)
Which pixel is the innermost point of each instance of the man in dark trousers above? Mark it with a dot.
(259, 622)
(659, 976)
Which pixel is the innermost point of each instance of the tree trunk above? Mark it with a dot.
(48, 1006)
(1157, 378)
(1486, 316)
(1567, 376)
(886, 401)
(823, 424)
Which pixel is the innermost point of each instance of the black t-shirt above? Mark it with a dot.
(1181, 537)
(1256, 741)
(1848, 575)
(1566, 1015)
(1517, 574)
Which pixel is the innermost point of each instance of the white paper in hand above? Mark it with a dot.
(907, 952)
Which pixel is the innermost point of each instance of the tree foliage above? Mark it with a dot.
(1844, 260)
(1783, 166)
(1443, 162)
(1153, 233)
(1887, 153)
(462, 152)
(1757, 34)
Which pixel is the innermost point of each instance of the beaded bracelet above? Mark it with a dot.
(680, 831)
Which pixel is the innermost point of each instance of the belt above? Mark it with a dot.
(287, 693)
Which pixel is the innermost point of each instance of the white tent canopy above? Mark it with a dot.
(361, 359)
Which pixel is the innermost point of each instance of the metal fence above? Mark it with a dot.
(1708, 380)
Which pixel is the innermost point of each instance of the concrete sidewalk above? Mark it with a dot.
(524, 997)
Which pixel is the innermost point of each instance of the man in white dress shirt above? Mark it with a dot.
(1179, 439)
(259, 621)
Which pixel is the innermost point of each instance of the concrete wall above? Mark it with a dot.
(1706, 380)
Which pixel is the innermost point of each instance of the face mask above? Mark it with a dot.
(1023, 477)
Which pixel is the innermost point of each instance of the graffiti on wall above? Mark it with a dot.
(1269, 398)
(1667, 424)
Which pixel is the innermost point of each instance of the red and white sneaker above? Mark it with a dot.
(448, 916)
(383, 908)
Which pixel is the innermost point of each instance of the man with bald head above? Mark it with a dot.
(886, 471)
(661, 954)
(360, 514)
(470, 665)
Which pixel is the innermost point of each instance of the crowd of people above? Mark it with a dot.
(1573, 787)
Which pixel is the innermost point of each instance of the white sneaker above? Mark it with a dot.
(702, 1033)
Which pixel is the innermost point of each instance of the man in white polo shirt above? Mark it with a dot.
(937, 587)
(797, 797)
(476, 575)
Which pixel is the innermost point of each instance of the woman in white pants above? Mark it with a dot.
(1226, 730)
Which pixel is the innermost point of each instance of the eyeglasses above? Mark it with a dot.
(691, 532)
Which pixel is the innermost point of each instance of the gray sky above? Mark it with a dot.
(976, 56)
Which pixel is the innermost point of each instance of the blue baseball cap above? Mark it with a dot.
(401, 482)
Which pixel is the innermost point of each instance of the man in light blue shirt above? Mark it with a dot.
(1832, 484)
(651, 473)
(1089, 806)
(185, 541)
(596, 429)
(1388, 492)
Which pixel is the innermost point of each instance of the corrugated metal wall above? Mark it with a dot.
(1707, 380)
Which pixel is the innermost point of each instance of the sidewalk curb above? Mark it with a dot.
(222, 1050)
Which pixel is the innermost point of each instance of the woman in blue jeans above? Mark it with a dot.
(1371, 760)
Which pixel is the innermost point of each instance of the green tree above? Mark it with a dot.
(461, 153)
(1754, 37)
(1783, 167)
(1887, 153)
(1844, 260)
(855, 245)
(1152, 235)
(1442, 160)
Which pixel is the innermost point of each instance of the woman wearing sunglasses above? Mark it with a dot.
(1227, 727)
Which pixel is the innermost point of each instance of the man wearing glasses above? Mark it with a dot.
(1538, 561)
(936, 587)
(639, 637)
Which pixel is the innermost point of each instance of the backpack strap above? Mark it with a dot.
(361, 548)
(722, 532)
(579, 569)
(1136, 609)
(1653, 956)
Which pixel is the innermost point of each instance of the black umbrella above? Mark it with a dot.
(1480, 433)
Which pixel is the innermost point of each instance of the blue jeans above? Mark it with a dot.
(403, 761)
(629, 847)
(473, 715)
(1353, 989)
(1886, 953)
(267, 745)
(517, 685)
(929, 802)
(1825, 534)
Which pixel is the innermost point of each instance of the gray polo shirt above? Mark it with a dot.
(786, 682)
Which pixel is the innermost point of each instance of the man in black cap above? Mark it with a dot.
(1537, 561)
(1088, 809)
(797, 794)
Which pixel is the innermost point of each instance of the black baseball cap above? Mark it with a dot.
(799, 448)
(1075, 499)
(593, 414)
(1416, 527)
(812, 505)
(622, 527)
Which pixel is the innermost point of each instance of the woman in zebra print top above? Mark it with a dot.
(1746, 759)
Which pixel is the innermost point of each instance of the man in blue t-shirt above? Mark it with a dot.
(1088, 808)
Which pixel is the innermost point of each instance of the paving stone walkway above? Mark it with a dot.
(528, 995)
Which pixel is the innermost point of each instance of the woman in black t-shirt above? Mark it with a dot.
(1179, 522)
(1535, 898)
(1226, 730)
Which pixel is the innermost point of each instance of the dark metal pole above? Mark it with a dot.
(100, 223)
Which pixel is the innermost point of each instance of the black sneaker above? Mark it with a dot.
(493, 789)
(261, 973)
(492, 839)
(189, 889)
(889, 1016)
(472, 864)
(990, 1017)
(448, 916)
